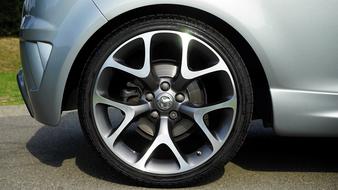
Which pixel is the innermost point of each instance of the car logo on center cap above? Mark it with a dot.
(165, 102)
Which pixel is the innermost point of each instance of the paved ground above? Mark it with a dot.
(34, 156)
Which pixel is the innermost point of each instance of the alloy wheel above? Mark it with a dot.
(164, 102)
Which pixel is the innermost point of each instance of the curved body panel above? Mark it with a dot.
(66, 27)
(295, 41)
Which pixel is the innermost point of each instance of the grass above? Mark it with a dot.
(9, 92)
(9, 55)
(9, 65)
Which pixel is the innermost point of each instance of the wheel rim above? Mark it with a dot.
(155, 110)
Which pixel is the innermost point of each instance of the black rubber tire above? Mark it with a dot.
(215, 40)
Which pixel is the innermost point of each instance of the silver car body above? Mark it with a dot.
(295, 40)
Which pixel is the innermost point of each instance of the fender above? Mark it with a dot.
(294, 46)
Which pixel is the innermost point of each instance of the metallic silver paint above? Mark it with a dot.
(305, 113)
(67, 25)
(37, 53)
(44, 50)
(295, 41)
(30, 54)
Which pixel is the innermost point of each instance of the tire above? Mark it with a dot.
(170, 107)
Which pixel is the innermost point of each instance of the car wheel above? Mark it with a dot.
(165, 99)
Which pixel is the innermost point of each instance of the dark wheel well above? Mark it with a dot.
(262, 97)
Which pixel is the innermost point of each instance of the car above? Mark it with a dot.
(166, 90)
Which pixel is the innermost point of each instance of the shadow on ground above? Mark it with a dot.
(262, 151)
(53, 145)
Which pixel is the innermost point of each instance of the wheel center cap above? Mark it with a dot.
(165, 102)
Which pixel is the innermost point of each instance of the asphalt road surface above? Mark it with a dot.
(35, 156)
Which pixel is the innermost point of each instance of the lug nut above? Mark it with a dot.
(165, 86)
(149, 96)
(154, 114)
(198, 153)
(173, 115)
(180, 97)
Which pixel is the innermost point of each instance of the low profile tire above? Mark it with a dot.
(166, 100)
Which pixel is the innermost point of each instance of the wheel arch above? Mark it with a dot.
(262, 98)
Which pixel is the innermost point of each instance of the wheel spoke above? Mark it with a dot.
(201, 111)
(197, 114)
(129, 111)
(141, 73)
(186, 75)
(135, 109)
(163, 137)
(212, 139)
(144, 73)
